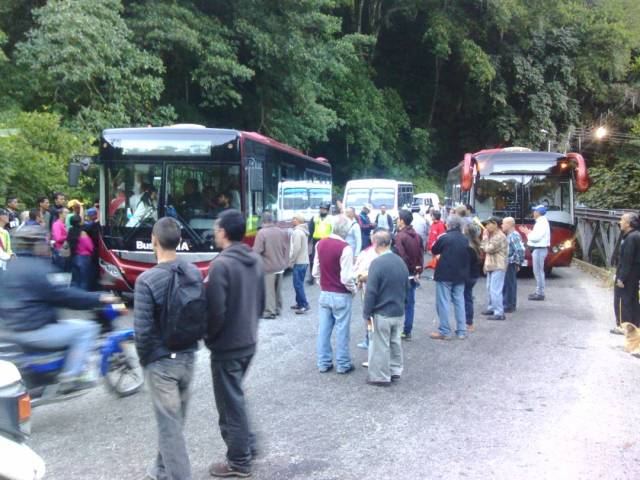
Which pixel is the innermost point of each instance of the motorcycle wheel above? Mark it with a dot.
(124, 376)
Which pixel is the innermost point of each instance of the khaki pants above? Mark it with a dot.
(385, 348)
(273, 293)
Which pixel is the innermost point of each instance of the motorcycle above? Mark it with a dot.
(117, 362)
(17, 460)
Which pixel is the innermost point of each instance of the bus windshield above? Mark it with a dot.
(377, 197)
(302, 198)
(193, 193)
(514, 195)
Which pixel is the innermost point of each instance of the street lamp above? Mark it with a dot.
(546, 132)
(600, 133)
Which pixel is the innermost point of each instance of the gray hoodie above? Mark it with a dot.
(299, 249)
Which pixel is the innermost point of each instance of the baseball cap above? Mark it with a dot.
(92, 212)
(541, 209)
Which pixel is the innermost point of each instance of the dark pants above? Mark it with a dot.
(312, 254)
(82, 271)
(468, 299)
(232, 410)
(410, 307)
(510, 288)
(366, 238)
(625, 301)
(168, 380)
(59, 261)
(299, 272)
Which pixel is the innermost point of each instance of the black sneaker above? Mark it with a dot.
(496, 317)
(536, 297)
(405, 336)
(487, 312)
(295, 307)
(302, 310)
(348, 370)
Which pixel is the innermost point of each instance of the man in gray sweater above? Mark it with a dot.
(387, 285)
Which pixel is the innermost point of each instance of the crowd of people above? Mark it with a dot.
(71, 229)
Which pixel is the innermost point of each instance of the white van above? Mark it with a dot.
(425, 201)
(301, 197)
(377, 191)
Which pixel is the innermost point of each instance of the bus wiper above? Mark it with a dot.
(194, 235)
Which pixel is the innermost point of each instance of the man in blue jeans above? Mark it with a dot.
(450, 275)
(538, 240)
(333, 267)
(299, 261)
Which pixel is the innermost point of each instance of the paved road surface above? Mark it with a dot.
(547, 394)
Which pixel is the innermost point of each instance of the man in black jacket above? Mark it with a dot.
(32, 291)
(450, 275)
(625, 292)
(169, 372)
(235, 293)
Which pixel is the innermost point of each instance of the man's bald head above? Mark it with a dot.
(508, 224)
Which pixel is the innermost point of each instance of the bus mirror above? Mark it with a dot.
(74, 173)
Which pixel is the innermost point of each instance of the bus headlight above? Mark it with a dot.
(111, 270)
(562, 246)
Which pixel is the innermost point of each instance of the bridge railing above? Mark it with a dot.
(598, 233)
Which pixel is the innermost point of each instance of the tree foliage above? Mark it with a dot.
(399, 89)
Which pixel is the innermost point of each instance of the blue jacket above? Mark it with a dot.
(31, 294)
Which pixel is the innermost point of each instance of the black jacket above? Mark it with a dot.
(235, 301)
(629, 255)
(475, 264)
(453, 266)
(31, 293)
(150, 294)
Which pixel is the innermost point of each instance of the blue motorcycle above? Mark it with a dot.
(117, 362)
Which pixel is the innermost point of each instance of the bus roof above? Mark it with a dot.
(198, 131)
(515, 161)
(374, 182)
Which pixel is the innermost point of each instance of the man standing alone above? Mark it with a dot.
(494, 244)
(625, 291)
(272, 245)
(235, 300)
(539, 240)
(169, 371)
(409, 247)
(333, 266)
(384, 304)
(299, 261)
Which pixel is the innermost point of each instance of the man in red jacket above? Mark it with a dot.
(437, 229)
(409, 246)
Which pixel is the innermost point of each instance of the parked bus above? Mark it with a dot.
(377, 192)
(301, 197)
(191, 173)
(509, 181)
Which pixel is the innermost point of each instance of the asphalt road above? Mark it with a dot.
(548, 393)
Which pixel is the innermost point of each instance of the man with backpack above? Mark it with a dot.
(235, 291)
(169, 319)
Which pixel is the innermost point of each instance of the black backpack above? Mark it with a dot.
(183, 319)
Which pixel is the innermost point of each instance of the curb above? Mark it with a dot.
(602, 273)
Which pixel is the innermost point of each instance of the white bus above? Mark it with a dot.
(301, 197)
(377, 192)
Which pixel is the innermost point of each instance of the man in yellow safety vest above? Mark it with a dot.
(320, 227)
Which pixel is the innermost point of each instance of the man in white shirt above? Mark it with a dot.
(384, 220)
(538, 240)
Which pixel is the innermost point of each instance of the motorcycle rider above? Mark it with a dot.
(31, 294)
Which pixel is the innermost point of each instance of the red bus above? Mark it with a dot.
(191, 173)
(507, 182)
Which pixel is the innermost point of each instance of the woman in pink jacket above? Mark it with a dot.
(59, 237)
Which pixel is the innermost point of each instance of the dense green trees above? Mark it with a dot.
(397, 88)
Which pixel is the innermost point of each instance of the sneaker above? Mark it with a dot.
(365, 364)
(439, 336)
(496, 317)
(302, 310)
(617, 331)
(487, 312)
(471, 328)
(223, 469)
(294, 307)
(405, 336)
(461, 336)
(348, 370)
(363, 345)
(535, 296)
(268, 317)
(395, 378)
(325, 369)
(310, 282)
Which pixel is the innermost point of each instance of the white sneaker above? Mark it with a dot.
(365, 364)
